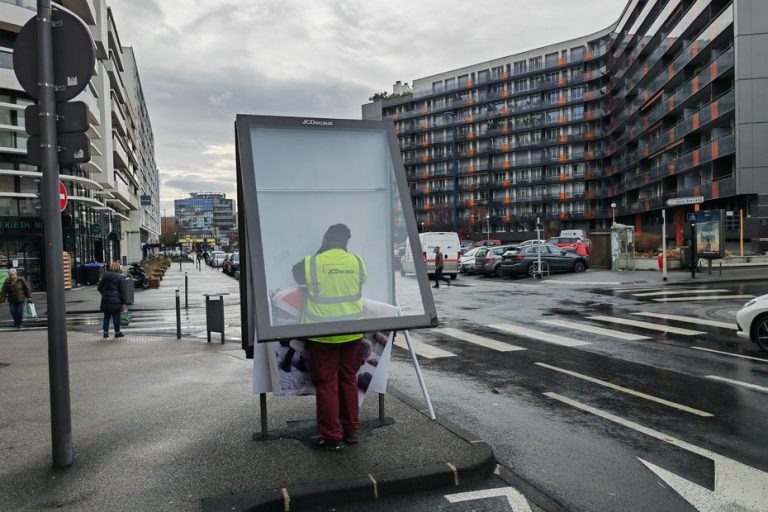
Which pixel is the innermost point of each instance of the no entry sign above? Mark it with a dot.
(62, 196)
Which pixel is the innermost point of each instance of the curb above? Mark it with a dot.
(375, 486)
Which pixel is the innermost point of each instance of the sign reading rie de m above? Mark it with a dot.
(15, 225)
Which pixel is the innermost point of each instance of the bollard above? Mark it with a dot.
(178, 315)
(179, 264)
(721, 268)
(186, 290)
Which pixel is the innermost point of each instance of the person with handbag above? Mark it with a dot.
(112, 299)
(16, 291)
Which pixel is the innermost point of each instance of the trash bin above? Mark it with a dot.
(685, 257)
(92, 272)
(128, 289)
(214, 314)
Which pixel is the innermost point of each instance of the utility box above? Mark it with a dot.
(128, 289)
(214, 314)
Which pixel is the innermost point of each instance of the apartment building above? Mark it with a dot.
(205, 218)
(668, 102)
(113, 205)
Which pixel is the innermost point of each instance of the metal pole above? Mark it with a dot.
(455, 179)
(263, 415)
(186, 290)
(58, 358)
(419, 375)
(741, 231)
(178, 315)
(538, 247)
(664, 244)
(180, 257)
(382, 410)
(694, 259)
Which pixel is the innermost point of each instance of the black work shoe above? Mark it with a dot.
(319, 443)
(435, 287)
(106, 335)
(353, 439)
(119, 335)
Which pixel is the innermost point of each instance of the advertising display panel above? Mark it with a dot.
(313, 187)
(710, 234)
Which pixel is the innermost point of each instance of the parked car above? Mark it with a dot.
(449, 246)
(529, 243)
(467, 264)
(212, 257)
(231, 264)
(522, 261)
(488, 259)
(486, 243)
(218, 259)
(752, 322)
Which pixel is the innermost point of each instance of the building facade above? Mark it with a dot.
(668, 102)
(104, 219)
(205, 218)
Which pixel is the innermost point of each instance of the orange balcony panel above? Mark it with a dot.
(504, 75)
(505, 165)
(427, 206)
(589, 154)
(645, 68)
(671, 103)
(471, 186)
(423, 110)
(504, 94)
(471, 168)
(470, 152)
(561, 120)
(505, 111)
(507, 200)
(468, 83)
(715, 151)
(563, 158)
(590, 194)
(397, 130)
(715, 189)
(425, 174)
(423, 125)
(468, 101)
(505, 183)
(563, 215)
(646, 178)
(396, 116)
(645, 122)
(563, 196)
(562, 138)
(563, 177)
(470, 135)
(561, 62)
(505, 129)
(695, 83)
(671, 71)
(671, 135)
(470, 203)
(588, 95)
(425, 158)
(713, 70)
(696, 190)
(696, 160)
(671, 167)
(695, 120)
(505, 146)
(589, 115)
(470, 118)
(561, 81)
(426, 191)
(714, 109)
(506, 218)
(587, 75)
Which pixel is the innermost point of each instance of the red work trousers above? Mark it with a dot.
(334, 368)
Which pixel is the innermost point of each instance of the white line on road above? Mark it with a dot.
(704, 297)
(422, 349)
(738, 383)
(734, 355)
(595, 330)
(628, 391)
(519, 330)
(677, 292)
(737, 486)
(583, 283)
(646, 325)
(689, 320)
(478, 340)
(516, 500)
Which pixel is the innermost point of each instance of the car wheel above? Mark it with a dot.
(531, 270)
(453, 276)
(579, 266)
(759, 332)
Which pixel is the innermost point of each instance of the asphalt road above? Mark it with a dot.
(585, 408)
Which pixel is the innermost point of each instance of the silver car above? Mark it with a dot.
(488, 259)
(467, 263)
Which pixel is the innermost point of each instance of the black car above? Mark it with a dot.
(231, 264)
(523, 261)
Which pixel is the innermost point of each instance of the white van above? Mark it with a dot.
(573, 233)
(449, 246)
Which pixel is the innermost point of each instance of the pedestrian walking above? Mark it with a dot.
(439, 264)
(334, 280)
(112, 299)
(16, 291)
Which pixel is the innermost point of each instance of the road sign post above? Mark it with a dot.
(664, 244)
(694, 257)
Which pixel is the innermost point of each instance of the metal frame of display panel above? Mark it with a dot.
(255, 280)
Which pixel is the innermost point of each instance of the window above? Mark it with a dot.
(535, 63)
(551, 60)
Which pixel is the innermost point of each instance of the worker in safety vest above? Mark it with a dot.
(334, 280)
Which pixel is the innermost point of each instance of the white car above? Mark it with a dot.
(531, 242)
(467, 263)
(752, 321)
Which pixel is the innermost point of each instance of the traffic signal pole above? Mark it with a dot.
(58, 359)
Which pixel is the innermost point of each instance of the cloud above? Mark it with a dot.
(202, 62)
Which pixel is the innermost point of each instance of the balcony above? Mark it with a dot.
(120, 155)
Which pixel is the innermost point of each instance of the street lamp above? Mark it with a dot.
(454, 157)
(488, 224)
(613, 211)
(422, 226)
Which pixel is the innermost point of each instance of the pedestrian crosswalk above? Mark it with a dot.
(676, 294)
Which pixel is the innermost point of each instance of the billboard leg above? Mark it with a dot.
(382, 410)
(263, 418)
(419, 374)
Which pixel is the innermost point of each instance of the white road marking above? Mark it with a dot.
(677, 292)
(422, 349)
(478, 340)
(645, 325)
(583, 283)
(704, 297)
(595, 330)
(516, 500)
(628, 391)
(519, 330)
(734, 355)
(622, 290)
(689, 320)
(737, 486)
(738, 383)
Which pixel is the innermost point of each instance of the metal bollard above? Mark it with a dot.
(178, 315)
(179, 264)
(186, 290)
(721, 268)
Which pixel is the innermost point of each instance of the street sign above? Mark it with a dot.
(71, 117)
(62, 196)
(692, 217)
(74, 148)
(681, 201)
(73, 53)
(146, 200)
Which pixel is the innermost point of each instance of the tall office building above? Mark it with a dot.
(105, 218)
(668, 102)
(205, 218)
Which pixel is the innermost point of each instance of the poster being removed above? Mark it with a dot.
(289, 362)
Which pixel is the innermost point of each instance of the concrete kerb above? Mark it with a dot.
(375, 486)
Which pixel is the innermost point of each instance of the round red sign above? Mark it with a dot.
(62, 196)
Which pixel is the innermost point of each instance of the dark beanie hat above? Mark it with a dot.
(338, 233)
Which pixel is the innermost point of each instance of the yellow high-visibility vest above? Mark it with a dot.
(335, 281)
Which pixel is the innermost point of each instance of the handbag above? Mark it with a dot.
(29, 310)
(125, 317)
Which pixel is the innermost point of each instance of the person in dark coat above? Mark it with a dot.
(112, 299)
(15, 289)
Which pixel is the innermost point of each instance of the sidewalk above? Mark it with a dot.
(165, 424)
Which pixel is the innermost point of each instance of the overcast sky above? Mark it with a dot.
(203, 61)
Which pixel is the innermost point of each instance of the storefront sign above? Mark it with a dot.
(17, 226)
(682, 201)
(95, 229)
